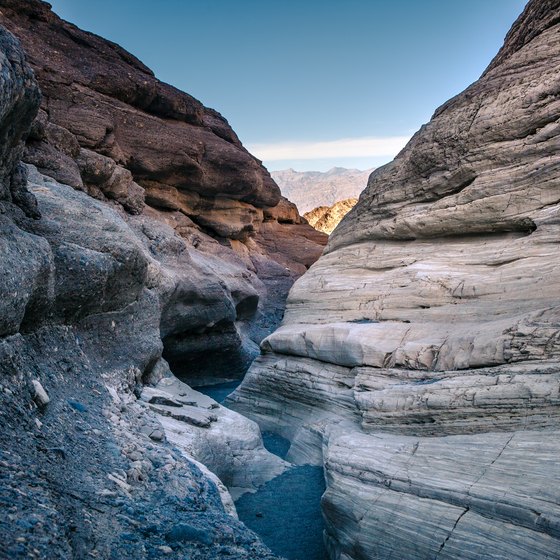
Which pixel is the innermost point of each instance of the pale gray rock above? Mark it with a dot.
(470, 492)
(41, 397)
(228, 444)
(419, 356)
(188, 414)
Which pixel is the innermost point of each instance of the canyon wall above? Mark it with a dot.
(107, 127)
(419, 358)
(86, 469)
(134, 226)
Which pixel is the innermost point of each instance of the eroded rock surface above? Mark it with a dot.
(419, 357)
(98, 97)
(89, 469)
(227, 443)
(20, 100)
(109, 128)
(87, 290)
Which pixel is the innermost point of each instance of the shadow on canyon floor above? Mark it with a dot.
(285, 512)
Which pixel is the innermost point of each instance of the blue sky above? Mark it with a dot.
(310, 84)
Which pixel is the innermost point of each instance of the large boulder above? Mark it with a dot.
(419, 357)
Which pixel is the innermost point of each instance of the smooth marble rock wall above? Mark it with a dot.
(419, 357)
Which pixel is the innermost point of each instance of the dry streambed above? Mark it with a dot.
(286, 511)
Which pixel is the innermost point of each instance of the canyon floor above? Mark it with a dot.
(294, 530)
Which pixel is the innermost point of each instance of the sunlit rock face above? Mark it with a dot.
(326, 218)
(419, 357)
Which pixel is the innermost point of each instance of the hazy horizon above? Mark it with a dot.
(325, 171)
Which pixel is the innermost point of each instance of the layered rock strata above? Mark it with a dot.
(419, 357)
(106, 126)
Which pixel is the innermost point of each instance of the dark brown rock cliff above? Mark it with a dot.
(109, 102)
(108, 127)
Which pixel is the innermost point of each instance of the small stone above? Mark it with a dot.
(159, 399)
(38, 423)
(146, 429)
(156, 435)
(125, 487)
(77, 405)
(166, 549)
(183, 532)
(134, 455)
(41, 397)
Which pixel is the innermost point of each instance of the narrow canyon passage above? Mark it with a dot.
(401, 376)
(286, 511)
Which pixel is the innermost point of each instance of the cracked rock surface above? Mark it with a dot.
(419, 357)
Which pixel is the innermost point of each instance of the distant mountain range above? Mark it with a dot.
(310, 189)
